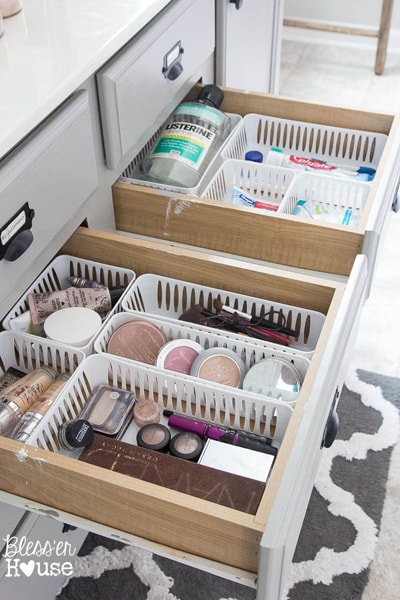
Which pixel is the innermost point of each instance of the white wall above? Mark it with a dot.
(361, 13)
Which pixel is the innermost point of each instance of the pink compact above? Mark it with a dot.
(179, 355)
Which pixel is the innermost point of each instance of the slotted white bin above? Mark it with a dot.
(168, 298)
(131, 173)
(264, 182)
(220, 405)
(331, 193)
(331, 144)
(55, 277)
(207, 338)
(26, 352)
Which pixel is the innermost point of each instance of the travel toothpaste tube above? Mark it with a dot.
(242, 198)
(277, 157)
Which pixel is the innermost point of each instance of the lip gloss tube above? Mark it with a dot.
(213, 432)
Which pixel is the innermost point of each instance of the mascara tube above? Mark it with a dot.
(213, 432)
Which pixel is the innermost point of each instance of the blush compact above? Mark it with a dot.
(137, 340)
(154, 437)
(187, 445)
(179, 355)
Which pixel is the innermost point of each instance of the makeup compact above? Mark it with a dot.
(179, 355)
(75, 434)
(146, 412)
(154, 437)
(187, 445)
(137, 340)
(237, 460)
(108, 409)
(219, 365)
(273, 377)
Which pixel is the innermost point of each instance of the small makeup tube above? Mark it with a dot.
(229, 436)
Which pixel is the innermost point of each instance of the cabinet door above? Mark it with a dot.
(248, 44)
(44, 185)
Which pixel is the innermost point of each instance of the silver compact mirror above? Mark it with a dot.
(273, 377)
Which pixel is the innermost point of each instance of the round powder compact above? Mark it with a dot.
(219, 365)
(186, 445)
(74, 326)
(137, 340)
(178, 355)
(274, 377)
(154, 437)
(146, 412)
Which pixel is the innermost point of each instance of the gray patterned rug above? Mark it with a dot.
(338, 540)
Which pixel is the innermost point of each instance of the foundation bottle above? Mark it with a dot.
(39, 408)
(16, 400)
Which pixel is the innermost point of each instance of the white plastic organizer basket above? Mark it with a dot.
(266, 183)
(55, 277)
(207, 338)
(197, 399)
(130, 175)
(330, 144)
(331, 193)
(168, 298)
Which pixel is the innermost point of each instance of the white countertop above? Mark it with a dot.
(51, 47)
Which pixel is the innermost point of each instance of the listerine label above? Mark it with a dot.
(185, 142)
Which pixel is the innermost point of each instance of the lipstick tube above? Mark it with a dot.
(213, 432)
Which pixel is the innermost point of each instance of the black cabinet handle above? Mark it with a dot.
(237, 3)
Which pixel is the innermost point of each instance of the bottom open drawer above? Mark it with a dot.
(175, 519)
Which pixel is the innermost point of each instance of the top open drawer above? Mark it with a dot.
(280, 237)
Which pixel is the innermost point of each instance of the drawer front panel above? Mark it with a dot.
(54, 172)
(183, 35)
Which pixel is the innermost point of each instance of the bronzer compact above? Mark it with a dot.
(109, 410)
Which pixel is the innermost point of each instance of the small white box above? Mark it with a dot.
(237, 460)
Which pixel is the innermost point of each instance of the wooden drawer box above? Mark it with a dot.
(179, 521)
(276, 238)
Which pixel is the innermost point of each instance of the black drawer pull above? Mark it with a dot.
(172, 62)
(237, 3)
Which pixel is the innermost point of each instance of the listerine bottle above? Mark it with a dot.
(188, 141)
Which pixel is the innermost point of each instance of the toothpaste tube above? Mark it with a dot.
(276, 156)
(320, 212)
(243, 198)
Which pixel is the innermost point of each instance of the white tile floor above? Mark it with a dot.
(344, 76)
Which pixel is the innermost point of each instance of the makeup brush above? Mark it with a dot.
(256, 321)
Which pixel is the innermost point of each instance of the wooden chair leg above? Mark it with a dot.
(383, 36)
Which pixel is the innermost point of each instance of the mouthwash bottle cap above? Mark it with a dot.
(212, 95)
(275, 156)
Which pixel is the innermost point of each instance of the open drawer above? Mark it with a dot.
(263, 542)
(281, 238)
